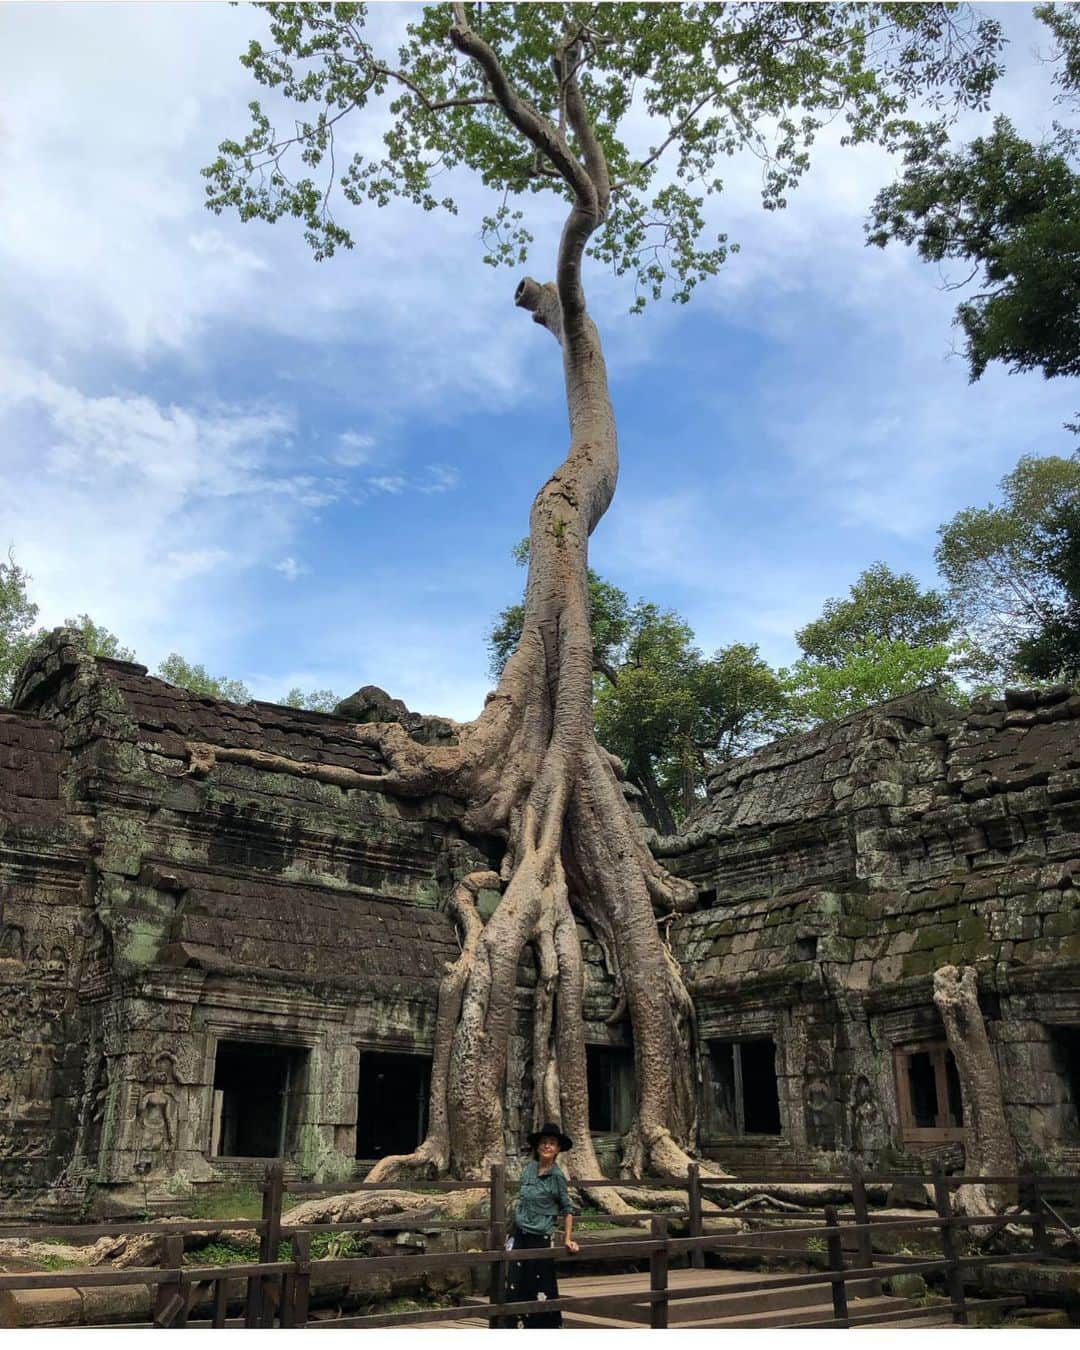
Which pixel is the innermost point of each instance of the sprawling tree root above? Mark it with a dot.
(989, 1148)
(405, 1207)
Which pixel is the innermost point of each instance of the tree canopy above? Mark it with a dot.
(711, 80)
(1008, 211)
(1008, 570)
(886, 638)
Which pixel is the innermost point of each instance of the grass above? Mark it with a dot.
(232, 1202)
(58, 1262)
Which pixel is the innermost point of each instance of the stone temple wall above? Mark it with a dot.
(188, 920)
(841, 868)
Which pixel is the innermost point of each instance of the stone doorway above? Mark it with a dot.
(258, 1089)
(610, 1071)
(745, 1096)
(392, 1103)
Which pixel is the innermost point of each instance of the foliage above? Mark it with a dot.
(875, 671)
(881, 605)
(1009, 211)
(233, 1251)
(1053, 653)
(312, 700)
(1008, 568)
(888, 637)
(17, 615)
(708, 81)
(336, 1246)
(18, 634)
(97, 639)
(673, 714)
(195, 678)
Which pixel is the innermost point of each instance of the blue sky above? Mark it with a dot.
(313, 474)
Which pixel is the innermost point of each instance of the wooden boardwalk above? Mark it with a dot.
(718, 1309)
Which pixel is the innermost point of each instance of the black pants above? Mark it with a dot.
(529, 1279)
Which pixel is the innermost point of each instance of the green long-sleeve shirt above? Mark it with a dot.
(541, 1199)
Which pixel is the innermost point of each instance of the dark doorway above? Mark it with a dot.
(745, 1095)
(392, 1106)
(761, 1098)
(610, 1071)
(1065, 1042)
(258, 1090)
(923, 1081)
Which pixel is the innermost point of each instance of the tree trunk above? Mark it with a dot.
(530, 771)
(989, 1149)
(656, 809)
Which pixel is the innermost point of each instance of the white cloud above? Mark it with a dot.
(388, 482)
(440, 478)
(290, 569)
(354, 449)
(121, 507)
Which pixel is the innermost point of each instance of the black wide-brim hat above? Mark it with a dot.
(565, 1142)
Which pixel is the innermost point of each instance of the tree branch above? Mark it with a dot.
(528, 121)
(478, 101)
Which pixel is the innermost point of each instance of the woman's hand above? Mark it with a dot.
(572, 1247)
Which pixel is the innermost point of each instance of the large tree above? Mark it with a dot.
(885, 638)
(1006, 211)
(536, 99)
(1010, 569)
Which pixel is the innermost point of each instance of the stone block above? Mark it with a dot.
(24, 1308)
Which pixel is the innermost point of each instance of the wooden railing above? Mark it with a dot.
(278, 1291)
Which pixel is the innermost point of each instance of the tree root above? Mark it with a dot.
(407, 1207)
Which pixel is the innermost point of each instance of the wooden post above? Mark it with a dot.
(865, 1241)
(836, 1265)
(658, 1276)
(497, 1239)
(693, 1192)
(1039, 1236)
(170, 1304)
(263, 1290)
(221, 1301)
(943, 1202)
(297, 1287)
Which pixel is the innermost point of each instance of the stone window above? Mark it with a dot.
(610, 1072)
(928, 1092)
(258, 1094)
(744, 1095)
(392, 1104)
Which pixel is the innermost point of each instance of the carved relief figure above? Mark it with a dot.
(864, 1115)
(11, 943)
(156, 1117)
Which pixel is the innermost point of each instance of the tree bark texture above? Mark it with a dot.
(989, 1149)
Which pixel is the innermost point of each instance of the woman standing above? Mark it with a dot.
(543, 1197)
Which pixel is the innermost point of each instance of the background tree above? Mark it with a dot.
(18, 632)
(528, 99)
(176, 670)
(17, 615)
(1053, 653)
(1008, 211)
(886, 638)
(1007, 566)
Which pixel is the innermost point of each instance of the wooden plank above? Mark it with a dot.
(78, 1233)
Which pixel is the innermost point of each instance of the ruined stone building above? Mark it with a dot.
(209, 958)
